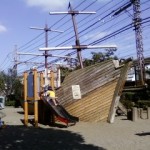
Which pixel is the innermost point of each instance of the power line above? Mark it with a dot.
(104, 40)
(30, 41)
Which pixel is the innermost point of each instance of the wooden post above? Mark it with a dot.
(53, 87)
(25, 100)
(114, 110)
(52, 80)
(42, 108)
(118, 91)
(58, 78)
(41, 81)
(134, 114)
(148, 113)
(35, 99)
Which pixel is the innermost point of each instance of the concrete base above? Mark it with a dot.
(148, 113)
(134, 114)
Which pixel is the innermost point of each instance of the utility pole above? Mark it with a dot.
(138, 36)
(46, 43)
(139, 40)
(73, 13)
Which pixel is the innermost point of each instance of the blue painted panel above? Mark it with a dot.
(30, 87)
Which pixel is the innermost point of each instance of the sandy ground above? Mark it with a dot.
(121, 135)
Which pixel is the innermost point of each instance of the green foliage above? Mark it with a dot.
(127, 99)
(10, 103)
(99, 57)
(96, 58)
(87, 62)
(143, 104)
(140, 99)
(11, 87)
(64, 72)
(127, 103)
(2, 82)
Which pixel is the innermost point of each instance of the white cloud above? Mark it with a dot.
(2, 28)
(48, 5)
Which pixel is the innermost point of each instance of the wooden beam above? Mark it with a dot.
(78, 46)
(52, 80)
(25, 100)
(35, 99)
(41, 81)
(118, 91)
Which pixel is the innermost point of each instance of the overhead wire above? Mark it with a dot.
(86, 7)
(21, 47)
(53, 38)
(51, 26)
(72, 52)
(69, 19)
(84, 29)
(99, 41)
(24, 45)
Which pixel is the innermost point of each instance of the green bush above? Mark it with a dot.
(140, 99)
(143, 104)
(127, 103)
(10, 103)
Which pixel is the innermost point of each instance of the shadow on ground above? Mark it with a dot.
(143, 134)
(26, 138)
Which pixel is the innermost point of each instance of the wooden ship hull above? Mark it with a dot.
(100, 85)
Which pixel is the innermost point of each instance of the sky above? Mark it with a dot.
(16, 18)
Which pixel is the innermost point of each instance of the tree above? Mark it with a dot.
(97, 57)
(10, 85)
(2, 83)
(64, 72)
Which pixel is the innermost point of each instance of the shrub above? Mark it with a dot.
(10, 103)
